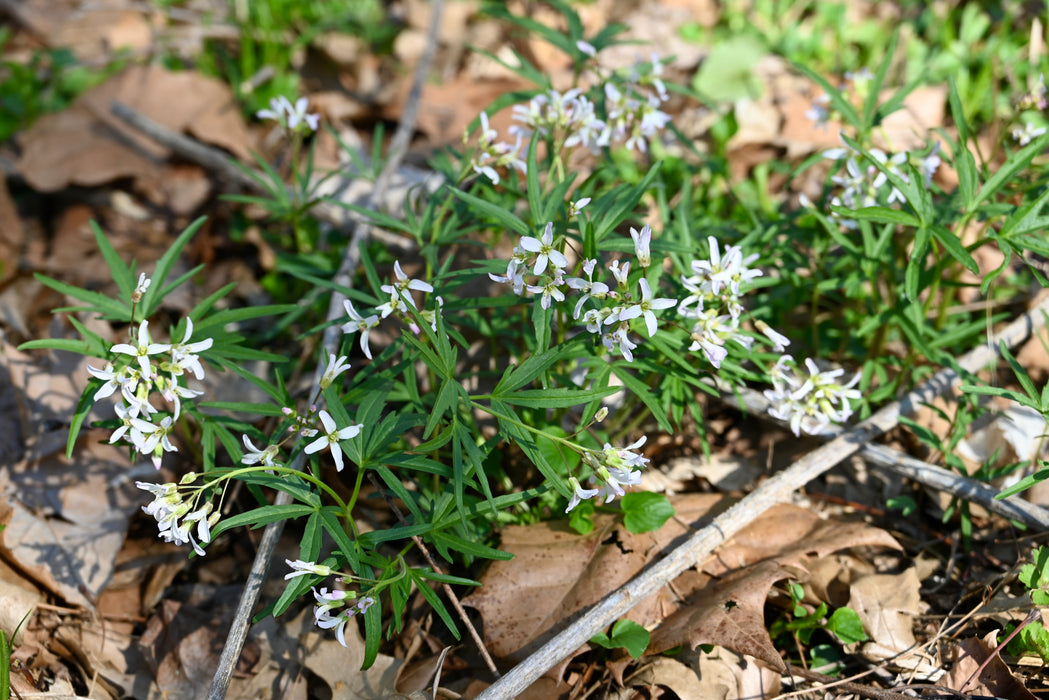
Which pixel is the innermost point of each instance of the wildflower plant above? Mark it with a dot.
(520, 361)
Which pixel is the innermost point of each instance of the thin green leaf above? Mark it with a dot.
(120, 272)
(153, 297)
(953, 245)
(503, 216)
(556, 397)
(257, 517)
(110, 308)
(1013, 165)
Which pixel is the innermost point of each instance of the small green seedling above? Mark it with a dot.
(626, 634)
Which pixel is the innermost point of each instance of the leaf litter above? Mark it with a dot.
(125, 620)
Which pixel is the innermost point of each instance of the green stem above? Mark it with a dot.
(232, 474)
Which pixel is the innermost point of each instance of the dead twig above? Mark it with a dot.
(893, 461)
(241, 176)
(775, 490)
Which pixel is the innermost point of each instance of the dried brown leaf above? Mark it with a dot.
(730, 612)
(994, 681)
(86, 145)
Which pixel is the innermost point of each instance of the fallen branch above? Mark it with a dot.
(893, 461)
(777, 489)
(244, 178)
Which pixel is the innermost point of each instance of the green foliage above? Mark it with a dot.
(48, 82)
(274, 33)
(796, 627)
(646, 511)
(483, 403)
(626, 634)
(1033, 638)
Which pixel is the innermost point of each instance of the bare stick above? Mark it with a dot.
(242, 177)
(776, 489)
(887, 459)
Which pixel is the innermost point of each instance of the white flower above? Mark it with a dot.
(779, 341)
(578, 493)
(586, 48)
(142, 348)
(491, 154)
(545, 249)
(184, 354)
(336, 366)
(125, 377)
(550, 288)
(303, 568)
(619, 339)
(587, 286)
(125, 414)
(809, 403)
(575, 207)
(283, 112)
(168, 507)
(331, 436)
(359, 323)
(1029, 132)
(646, 306)
(140, 288)
(621, 273)
(254, 455)
(149, 438)
(642, 240)
(399, 293)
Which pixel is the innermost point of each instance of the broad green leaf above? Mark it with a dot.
(645, 511)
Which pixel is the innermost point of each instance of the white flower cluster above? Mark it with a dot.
(865, 186)
(176, 518)
(632, 117)
(399, 299)
(714, 288)
(491, 153)
(614, 468)
(154, 367)
(344, 604)
(611, 307)
(1023, 135)
(810, 402)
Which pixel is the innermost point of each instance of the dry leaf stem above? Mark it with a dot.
(777, 489)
